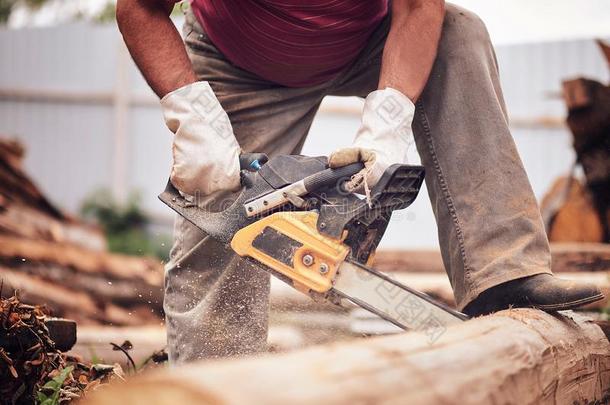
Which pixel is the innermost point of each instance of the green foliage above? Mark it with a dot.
(180, 8)
(604, 313)
(113, 217)
(107, 14)
(125, 225)
(6, 7)
(93, 356)
(49, 393)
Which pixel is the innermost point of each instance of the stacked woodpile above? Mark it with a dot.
(579, 209)
(52, 258)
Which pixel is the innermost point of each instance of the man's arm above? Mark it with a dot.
(411, 46)
(205, 154)
(384, 136)
(155, 44)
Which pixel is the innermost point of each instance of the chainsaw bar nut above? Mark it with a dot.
(307, 260)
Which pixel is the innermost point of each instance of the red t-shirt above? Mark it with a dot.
(295, 43)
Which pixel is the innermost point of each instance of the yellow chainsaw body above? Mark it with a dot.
(290, 244)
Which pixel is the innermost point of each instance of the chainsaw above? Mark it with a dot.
(295, 219)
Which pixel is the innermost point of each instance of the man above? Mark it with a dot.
(251, 79)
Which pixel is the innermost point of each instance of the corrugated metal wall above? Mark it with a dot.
(61, 91)
(69, 149)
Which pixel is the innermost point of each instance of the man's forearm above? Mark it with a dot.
(155, 44)
(411, 46)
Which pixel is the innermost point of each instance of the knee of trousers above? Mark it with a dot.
(463, 31)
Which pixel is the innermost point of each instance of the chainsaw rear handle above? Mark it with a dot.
(224, 224)
(331, 177)
(252, 161)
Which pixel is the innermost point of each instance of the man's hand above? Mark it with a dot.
(382, 140)
(408, 56)
(205, 151)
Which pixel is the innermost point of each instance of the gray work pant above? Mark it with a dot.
(489, 225)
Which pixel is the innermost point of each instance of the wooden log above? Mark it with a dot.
(284, 297)
(16, 186)
(589, 117)
(125, 292)
(93, 341)
(575, 257)
(82, 260)
(575, 94)
(26, 222)
(569, 213)
(108, 278)
(35, 290)
(417, 261)
(513, 357)
(566, 257)
(68, 303)
(438, 286)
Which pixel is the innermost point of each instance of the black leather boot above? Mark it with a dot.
(542, 291)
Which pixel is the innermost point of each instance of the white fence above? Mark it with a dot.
(73, 96)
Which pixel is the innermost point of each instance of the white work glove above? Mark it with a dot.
(382, 140)
(205, 151)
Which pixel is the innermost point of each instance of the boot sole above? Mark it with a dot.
(569, 305)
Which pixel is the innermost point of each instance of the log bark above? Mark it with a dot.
(512, 357)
